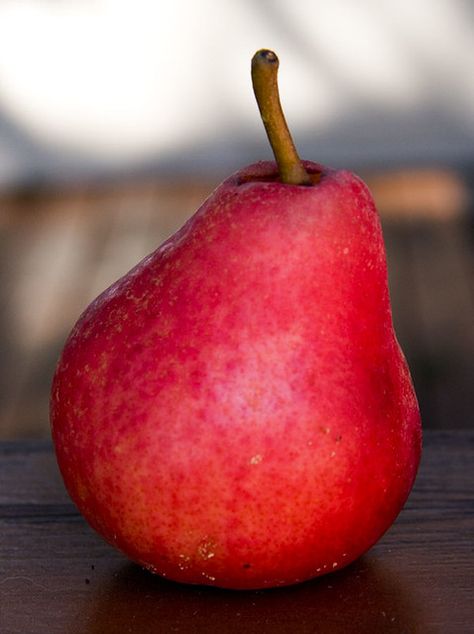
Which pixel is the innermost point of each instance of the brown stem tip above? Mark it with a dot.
(265, 86)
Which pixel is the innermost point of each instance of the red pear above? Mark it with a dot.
(236, 410)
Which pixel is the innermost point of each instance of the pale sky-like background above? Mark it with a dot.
(90, 87)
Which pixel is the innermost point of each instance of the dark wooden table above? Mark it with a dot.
(57, 576)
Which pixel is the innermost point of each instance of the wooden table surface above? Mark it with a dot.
(58, 576)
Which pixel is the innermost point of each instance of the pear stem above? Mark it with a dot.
(265, 86)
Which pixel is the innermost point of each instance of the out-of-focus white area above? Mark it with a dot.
(91, 86)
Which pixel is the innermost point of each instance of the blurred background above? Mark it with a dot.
(117, 118)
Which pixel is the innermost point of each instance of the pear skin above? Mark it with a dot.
(236, 410)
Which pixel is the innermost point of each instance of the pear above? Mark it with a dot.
(236, 410)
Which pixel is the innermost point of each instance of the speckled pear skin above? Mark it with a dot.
(236, 410)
